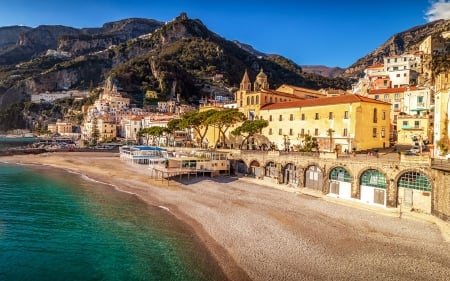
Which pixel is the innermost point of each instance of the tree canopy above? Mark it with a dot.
(249, 128)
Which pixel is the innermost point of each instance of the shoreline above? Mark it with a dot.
(255, 232)
(222, 259)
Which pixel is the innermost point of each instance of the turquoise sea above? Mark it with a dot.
(55, 225)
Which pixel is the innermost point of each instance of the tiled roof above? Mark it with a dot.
(392, 90)
(376, 66)
(322, 101)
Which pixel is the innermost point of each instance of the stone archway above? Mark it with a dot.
(415, 190)
(255, 169)
(314, 178)
(373, 187)
(340, 183)
(238, 167)
(290, 175)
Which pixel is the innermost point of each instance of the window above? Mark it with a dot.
(383, 132)
(303, 116)
(345, 133)
(270, 117)
(386, 97)
(376, 97)
(280, 132)
(291, 132)
(419, 99)
(397, 96)
(398, 75)
(405, 123)
(270, 131)
(374, 132)
(317, 116)
(330, 115)
(375, 115)
(280, 118)
(345, 114)
(316, 131)
(253, 100)
(248, 100)
(388, 60)
(265, 99)
(416, 124)
(385, 83)
(302, 132)
(270, 99)
(257, 100)
(291, 117)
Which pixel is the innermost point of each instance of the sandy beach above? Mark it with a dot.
(258, 232)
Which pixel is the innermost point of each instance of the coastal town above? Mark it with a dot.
(159, 150)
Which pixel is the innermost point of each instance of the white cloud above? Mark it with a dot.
(438, 10)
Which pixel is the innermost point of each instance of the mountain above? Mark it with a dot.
(406, 41)
(175, 58)
(33, 42)
(10, 34)
(331, 72)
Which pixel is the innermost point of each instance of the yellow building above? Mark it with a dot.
(413, 129)
(107, 130)
(62, 128)
(249, 101)
(344, 122)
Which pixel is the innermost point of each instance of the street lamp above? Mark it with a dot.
(287, 143)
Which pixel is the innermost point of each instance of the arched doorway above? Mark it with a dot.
(340, 183)
(255, 169)
(314, 178)
(290, 175)
(373, 186)
(271, 170)
(414, 190)
(238, 167)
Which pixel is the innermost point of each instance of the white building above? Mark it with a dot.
(402, 69)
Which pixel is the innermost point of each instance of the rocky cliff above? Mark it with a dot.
(406, 41)
(10, 34)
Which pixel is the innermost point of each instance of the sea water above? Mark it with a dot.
(58, 226)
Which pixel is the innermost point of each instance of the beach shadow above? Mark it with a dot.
(185, 180)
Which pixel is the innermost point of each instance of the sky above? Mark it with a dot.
(334, 33)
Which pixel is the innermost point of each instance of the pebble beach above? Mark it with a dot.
(258, 232)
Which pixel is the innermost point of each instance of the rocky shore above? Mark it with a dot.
(262, 233)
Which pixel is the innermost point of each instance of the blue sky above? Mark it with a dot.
(319, 32)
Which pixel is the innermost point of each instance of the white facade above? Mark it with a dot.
(417, 100)
(401, 69)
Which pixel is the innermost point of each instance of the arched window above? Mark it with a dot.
(257, 99)
(414, 180)
(253, 100)
(373, 178)
(248, 100)
(340, 174)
